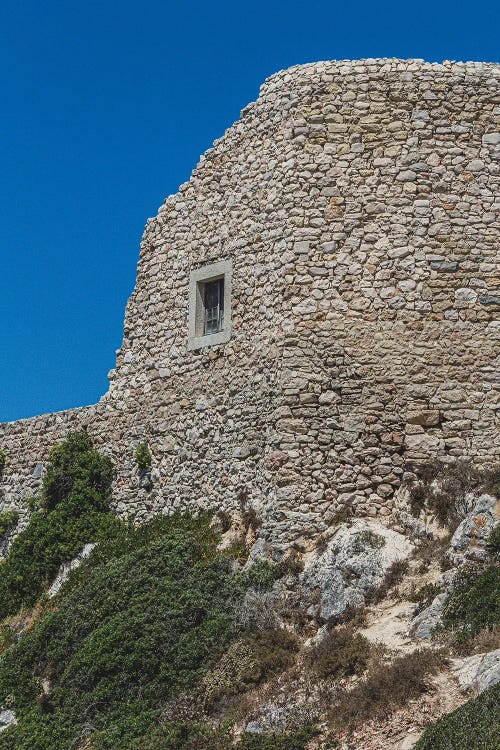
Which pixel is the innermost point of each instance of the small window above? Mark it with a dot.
(213, 299)
(210, 305)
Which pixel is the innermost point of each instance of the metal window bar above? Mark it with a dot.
(214, 306)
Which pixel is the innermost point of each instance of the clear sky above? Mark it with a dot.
(105, 108)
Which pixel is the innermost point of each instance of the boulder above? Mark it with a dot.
(66, 569)
(423, 624)
(354, 562)
(276, 718)
(7, 718)
(469, 539)
(478, 672)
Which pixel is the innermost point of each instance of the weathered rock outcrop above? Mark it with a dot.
(354, 563)
(479, 672)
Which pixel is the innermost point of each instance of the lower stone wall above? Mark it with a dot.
(365, 403)
(337, 422)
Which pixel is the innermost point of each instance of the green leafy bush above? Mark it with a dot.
(74, 510)
(2, 460)
(371, 539)
(474, 603)
(493, 543)
(143, 456)
(295, 740)
(77, 475)
(261, 575)
(473, 726)
(425, 594)
(197, 736)
(138, 625)
(8, 519)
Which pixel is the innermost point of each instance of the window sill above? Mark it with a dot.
(211, 339)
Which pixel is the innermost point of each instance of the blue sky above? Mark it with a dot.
(105, 108)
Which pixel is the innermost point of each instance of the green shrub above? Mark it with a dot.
(77, 475)
(74, 510)
(261, 575)
(185, 736)
(371, 539)
(474, 603)
(295, 740)
(425, 594)
(493, 542)
(8, 519)
(143, 456)
(197, 736)
(2, 460)
(138, 625)
(6, 637)
(341, 653)
(473, 726)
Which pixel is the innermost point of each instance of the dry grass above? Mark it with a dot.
(393, 577)
(432, 551)
(341, 653)
(386, 688)
(488, 639)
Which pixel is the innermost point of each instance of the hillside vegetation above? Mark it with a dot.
(136, 627)
(161, 641)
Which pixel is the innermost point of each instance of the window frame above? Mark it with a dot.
(198, 278)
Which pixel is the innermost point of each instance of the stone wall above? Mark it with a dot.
(356, 201)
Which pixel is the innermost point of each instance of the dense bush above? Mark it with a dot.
(197, 736)
(341, 653)
(386, 688)
(74, 510)
(474, 726)
(371, 539)
(493, 543)
(138, 625)
(143, 456)
(474, 603)
(8, 519)
(132, 629)
(77, 476)
(2, 461)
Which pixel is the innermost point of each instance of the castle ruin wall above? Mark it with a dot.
(357, 203)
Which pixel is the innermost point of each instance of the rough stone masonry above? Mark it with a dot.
(357, 202)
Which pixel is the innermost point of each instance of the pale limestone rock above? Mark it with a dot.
(355, 562)
(478, 672)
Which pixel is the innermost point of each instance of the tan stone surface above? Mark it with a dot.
(358, 204)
